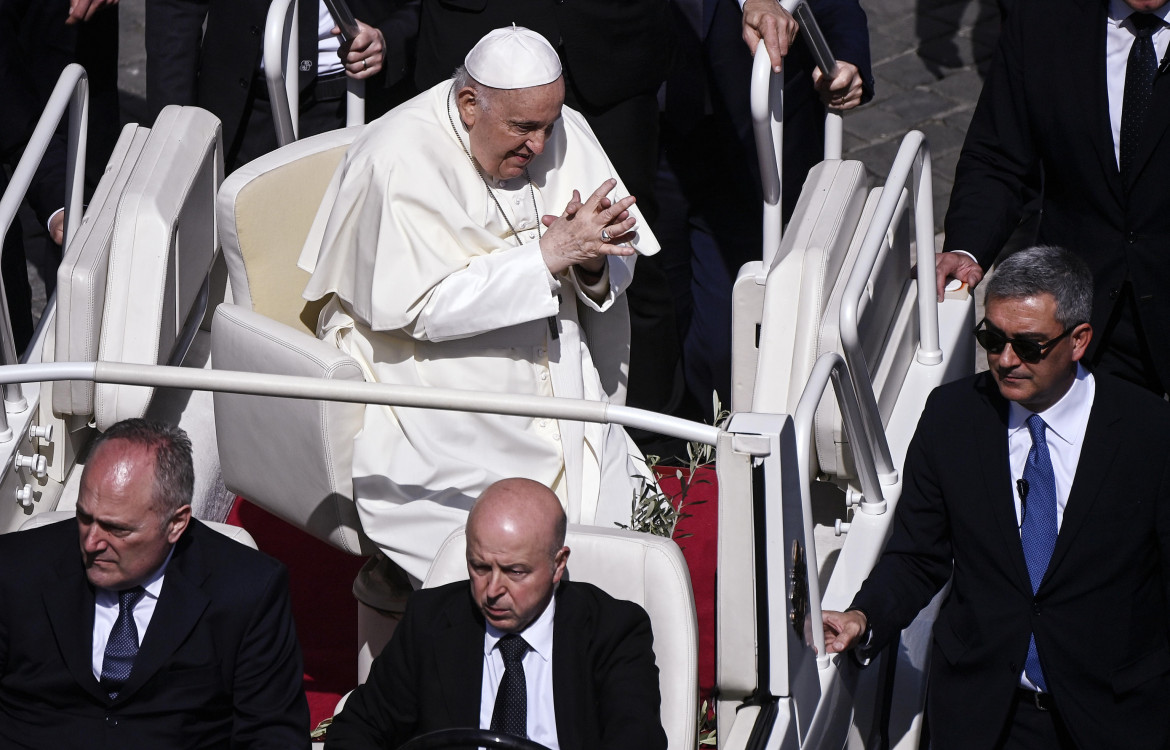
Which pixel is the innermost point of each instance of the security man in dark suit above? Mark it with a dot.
(136, 626)
(519, 651)
(1042, 491)
(1079, 89)
(208, 53)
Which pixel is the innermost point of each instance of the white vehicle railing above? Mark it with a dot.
(72, 93)
(767, 102)
(911, 169)
(292, 386)
(281, 50)
(851, 393)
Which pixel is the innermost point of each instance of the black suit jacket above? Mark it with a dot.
(214, 68)
(219, 664)
(1100, 615)
(429, 676)
(1045, 102)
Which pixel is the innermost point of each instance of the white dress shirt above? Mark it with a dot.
(105, 614)
(1065, 421)
(1119, 36)
(538, 668)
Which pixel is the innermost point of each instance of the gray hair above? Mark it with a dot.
(174, 469)
(1046, 269)
(462, 79)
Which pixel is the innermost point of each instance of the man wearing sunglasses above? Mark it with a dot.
(1043, 493)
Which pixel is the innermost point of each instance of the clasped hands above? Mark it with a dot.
(578, 237)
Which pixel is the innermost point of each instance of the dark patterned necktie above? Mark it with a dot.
(123, 644)
(1038, 530)
(510, 715)
(1140, 72)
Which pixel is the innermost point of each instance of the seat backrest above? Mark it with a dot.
(292, 457)
(812, 257)
(81, 277)
(266, 209)
(645, 569)
(163, 247)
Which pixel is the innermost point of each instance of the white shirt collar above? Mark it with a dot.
(1067, 417)
(152, 585)
(1119, 11)
(538, 635)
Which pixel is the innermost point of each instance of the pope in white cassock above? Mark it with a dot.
(466, 251)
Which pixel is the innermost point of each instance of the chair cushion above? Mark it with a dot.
(291, 457)
(163, 247)
(81, 277)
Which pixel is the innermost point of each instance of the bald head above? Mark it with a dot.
(520, 508)
(515, 551)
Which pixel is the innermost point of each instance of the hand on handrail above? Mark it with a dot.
(956, 266)
(363, 55)
(766, 20)
(842, 91)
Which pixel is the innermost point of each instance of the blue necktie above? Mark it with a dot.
(123, 644)
(510, 714)
(1140, 71)
(1038, 530)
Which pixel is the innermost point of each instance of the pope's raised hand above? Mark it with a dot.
(588, 231)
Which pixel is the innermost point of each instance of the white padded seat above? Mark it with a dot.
(812, 256)
(266, 209)
(234, 533)
(291, 457)
(81, 277)
(164, 244)
(642, 568)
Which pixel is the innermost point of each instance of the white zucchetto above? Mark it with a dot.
(513, 58)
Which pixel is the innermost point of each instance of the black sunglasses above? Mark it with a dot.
(1028, 351)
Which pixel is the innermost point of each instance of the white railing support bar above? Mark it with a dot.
(280, 59)
(929, 350)
(767, 102)
(355, 101)
(292, 386)
(830, 366)
(908, 155)
(72, 93)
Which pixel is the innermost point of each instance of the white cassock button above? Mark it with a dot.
(544, 376)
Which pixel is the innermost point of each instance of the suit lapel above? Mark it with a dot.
(459, 655)
(1103, 435)
(1088, 30)
(70, 607)
(998, 484)
(569, 668)
(180, 605)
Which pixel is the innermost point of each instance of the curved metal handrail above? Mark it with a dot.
(284, 94)
(72, 93)
(280, 56)
(846, 387)
(913, 160)
(300, 387)
(767, 103)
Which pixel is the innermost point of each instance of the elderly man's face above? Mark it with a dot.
(1035, 386)
(513, 567)
(513, 127)
(124, 534)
